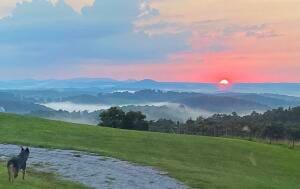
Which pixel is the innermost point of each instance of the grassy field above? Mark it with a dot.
(200, 162)
(35, 180)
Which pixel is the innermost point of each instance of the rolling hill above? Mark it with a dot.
(110, 85)
(200, 162)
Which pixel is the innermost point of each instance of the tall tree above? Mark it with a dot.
(135, 121)
(112, 117)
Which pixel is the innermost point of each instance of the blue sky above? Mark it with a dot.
(38, 35)
(167, 40)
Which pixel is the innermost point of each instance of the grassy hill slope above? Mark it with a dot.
(35, 180)
(200, 162)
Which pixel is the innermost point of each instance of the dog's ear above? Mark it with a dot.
(27, 149)
(22, 149)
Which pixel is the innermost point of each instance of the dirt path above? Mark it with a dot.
(94, 171)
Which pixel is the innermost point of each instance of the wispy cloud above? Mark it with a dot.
(7, 6)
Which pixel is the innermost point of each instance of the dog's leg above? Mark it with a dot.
(10, 170)
(24, 172)
(9, 175)
(16, 173)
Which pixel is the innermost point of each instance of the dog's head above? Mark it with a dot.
(24, 153)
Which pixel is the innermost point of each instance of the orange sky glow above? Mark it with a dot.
(259, 42)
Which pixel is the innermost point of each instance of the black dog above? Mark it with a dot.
(16, 164)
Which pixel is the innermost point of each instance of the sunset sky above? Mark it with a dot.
(164, 40)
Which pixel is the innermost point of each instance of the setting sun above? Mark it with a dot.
(224, 82)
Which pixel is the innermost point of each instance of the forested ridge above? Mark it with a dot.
(276, 124)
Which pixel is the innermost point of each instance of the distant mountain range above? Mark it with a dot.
(175, 105)
(13, 104)
(212, 102)
(110, 85)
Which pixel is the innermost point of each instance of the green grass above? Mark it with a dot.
(35, 180)
(200, 162)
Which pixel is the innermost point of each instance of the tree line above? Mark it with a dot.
(276, 124)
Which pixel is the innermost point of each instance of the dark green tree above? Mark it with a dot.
(135, 121)
(293, 135)
(112, 117)
(274, 131)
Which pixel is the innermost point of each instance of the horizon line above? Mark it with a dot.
(140, 80)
